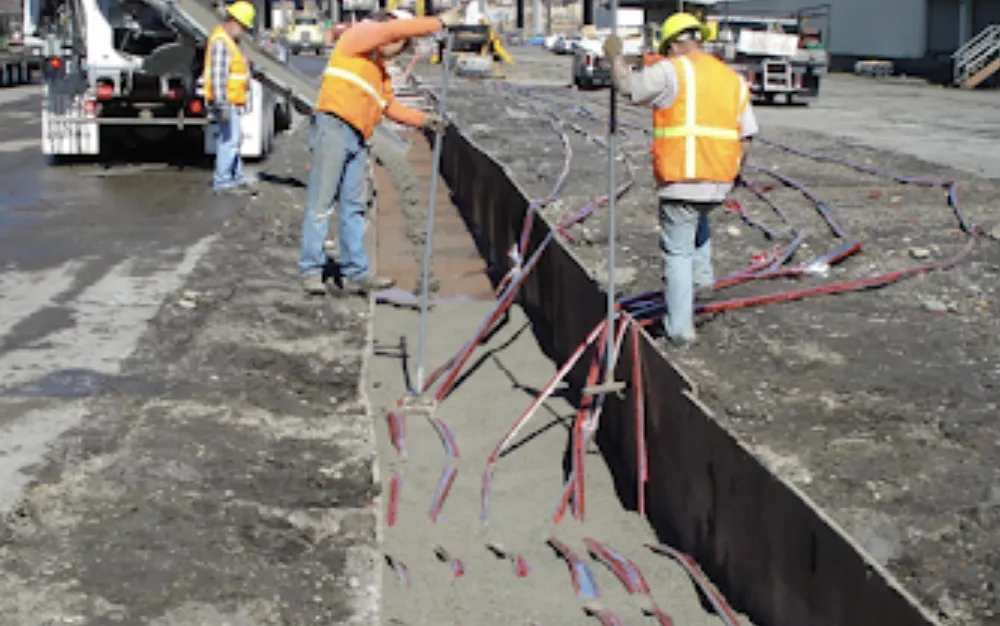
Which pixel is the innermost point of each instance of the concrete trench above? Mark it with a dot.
(770, 550)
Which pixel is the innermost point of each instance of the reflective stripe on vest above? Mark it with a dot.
(689, 129)
(358, 82)
(238, 81)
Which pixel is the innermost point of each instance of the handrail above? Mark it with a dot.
(988, 31)
(976, 53)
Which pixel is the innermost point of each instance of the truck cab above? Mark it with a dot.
(590, 67)
(305, 34)
(773, 54)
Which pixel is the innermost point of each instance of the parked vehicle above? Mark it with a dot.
(122, 72)
(590, 67)
(305, 34)
(566, 44)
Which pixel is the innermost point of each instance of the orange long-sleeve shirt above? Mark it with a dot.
(363, 39)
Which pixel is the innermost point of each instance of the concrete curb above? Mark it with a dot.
(769, 548)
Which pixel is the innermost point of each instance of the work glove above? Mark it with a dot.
(435, 123)
(222, 115)
(613, 46)
(451, 18)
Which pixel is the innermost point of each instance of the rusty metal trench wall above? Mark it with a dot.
(769, 549)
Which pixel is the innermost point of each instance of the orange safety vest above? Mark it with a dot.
(697, 138)
(356, 89)
(238, 82)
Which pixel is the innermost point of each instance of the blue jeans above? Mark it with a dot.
(337, 173)
(686, 240)
(228, 164)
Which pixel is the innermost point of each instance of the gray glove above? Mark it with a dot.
(435, 123)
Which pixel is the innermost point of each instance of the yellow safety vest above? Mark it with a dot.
(697, 138)
(357, 89)
(238, 81)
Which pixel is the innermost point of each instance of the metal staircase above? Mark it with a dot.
(978, 59)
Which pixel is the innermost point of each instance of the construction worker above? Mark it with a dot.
(702, 125)
(227, 85)
(355, 93)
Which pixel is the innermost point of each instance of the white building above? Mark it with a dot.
(888, 29)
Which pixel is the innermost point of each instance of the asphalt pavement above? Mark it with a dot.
(183, 439)
(88, 255)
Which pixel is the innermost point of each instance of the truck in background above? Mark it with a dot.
(118, 73)
(779, 54)
(773, 55)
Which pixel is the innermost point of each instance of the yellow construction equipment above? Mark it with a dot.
(419, 6)
(477, 51)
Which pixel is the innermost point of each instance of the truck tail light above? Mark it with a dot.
(56, 63)
(196, 107)
(589, 60)
(105, 91)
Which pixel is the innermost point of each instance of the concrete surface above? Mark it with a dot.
(883, 424)
(184, 436)
(505, 375)
(952, 127)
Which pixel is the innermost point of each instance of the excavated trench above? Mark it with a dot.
(774, 555)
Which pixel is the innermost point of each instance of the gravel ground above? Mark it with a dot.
(227, 474)
(879, 404)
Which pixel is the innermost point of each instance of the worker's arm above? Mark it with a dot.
(220, 73)
(654, 85)
(404, 114)
(398, 112)
(366, 37)
(748, 130)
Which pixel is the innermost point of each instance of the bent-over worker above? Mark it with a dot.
(227, 87)
(356, 92)
(702, 125)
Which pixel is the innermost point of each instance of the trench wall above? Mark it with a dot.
(774, 554)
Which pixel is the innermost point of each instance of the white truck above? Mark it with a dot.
(120, 71)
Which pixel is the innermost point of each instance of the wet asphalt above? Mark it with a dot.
(88, 252)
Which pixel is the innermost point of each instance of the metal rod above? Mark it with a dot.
(429, 241)
(612, 150)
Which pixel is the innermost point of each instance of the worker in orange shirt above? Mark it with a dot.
(702, 125)
(356, 92)
(227, 87)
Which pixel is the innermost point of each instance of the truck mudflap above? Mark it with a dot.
(69, 125)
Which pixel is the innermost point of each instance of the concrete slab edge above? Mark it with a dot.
(775, 554)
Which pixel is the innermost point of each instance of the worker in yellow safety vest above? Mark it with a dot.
(355, 94)
(227, 88)
(702, 125)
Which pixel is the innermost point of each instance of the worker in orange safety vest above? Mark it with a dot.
(702, 125)
(227, 88)
(355, 93)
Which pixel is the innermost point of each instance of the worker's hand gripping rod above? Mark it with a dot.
(429, 237)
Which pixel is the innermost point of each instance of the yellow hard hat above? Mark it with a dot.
(243, 12)
(680, 22)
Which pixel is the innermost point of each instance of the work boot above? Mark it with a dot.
(673, 346)
(314, 285)
(367, 284)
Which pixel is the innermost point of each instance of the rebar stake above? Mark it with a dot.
(429, 241)
(609, 383)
